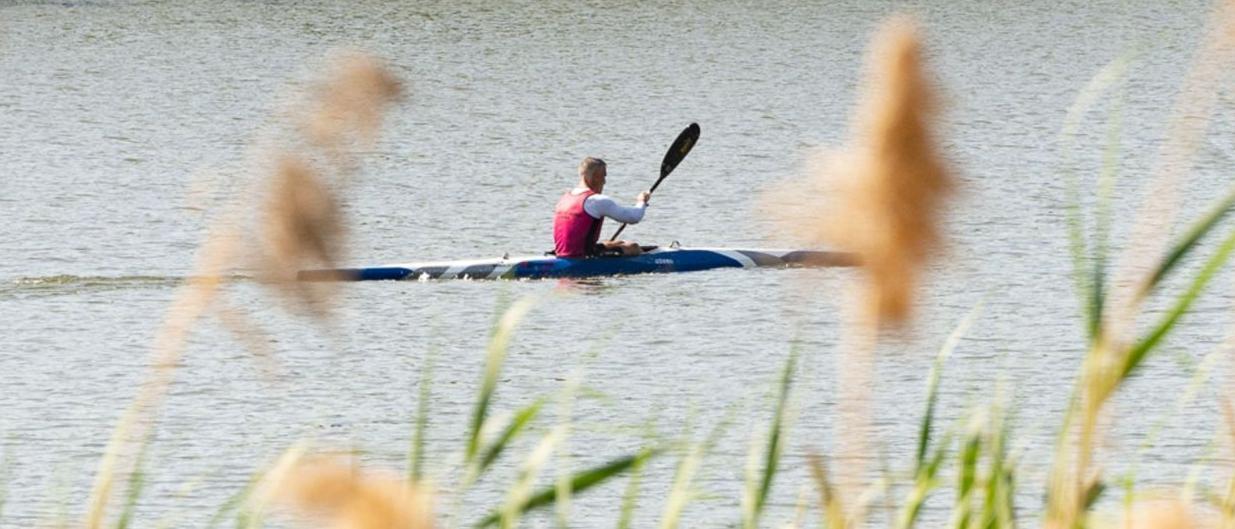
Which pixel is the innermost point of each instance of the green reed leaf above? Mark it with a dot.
(1088, 285)
(932, 385)
(925, 481)
(631, 496)
(579, 482)
(230, 505)
(684, 475)
(136, 485)
(772, 453)
(967, 478)
(494, 359)
(1189, 241)
(1102, 218)
(1142, 348)
(999, 486)
(416, 452)
(512, 431)
(1093, 493)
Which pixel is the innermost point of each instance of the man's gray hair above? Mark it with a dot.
(591, 166)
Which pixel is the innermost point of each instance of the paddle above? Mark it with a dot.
(680, 148)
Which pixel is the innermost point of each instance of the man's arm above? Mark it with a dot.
(600, 206)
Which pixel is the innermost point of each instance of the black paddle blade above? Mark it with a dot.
(678, 151)
(680, 148)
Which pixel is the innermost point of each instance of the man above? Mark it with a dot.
(581, 212)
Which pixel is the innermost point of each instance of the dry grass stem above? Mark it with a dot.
(192, 302)
(829, 504)
(855, 368)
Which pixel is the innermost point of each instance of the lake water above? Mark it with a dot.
(112, 112)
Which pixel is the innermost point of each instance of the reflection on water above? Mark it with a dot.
(584, 286)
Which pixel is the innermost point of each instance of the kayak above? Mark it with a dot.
(657, 260)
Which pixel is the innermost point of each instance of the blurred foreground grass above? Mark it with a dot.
(892, 185)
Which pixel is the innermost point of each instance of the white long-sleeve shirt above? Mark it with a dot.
(600, 206)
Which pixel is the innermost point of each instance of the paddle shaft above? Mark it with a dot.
(650, 191)
(677, 152)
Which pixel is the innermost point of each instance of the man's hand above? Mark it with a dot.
(643, 198)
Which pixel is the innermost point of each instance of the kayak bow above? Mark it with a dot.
(660, 260)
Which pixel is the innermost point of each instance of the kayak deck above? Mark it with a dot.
(660, 260)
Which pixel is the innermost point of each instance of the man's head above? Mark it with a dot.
(592, 173)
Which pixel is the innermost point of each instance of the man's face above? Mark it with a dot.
(600, 179)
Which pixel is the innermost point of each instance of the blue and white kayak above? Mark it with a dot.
(658, 260)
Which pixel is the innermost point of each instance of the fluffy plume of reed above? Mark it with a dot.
(891, 180)
(341, 496)
(303, 228)
(880, 196)
(349, 105)
(1163, 514)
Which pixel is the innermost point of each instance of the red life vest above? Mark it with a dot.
(575, 232)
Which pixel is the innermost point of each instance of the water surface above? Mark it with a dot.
(111, 113)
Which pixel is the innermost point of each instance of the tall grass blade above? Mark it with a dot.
(512, 509)
(683, 477)
(927, 464)
(1093, 493)
(136, 485)
(925, 481)
(1088, 291)
(772, 452)
(680, 492)
(1180, 249)
(416, 453)
(631, 496)
(512, 431)
(230, 505)
(1138, 352)
(966, 478)
(265, 487)
(579, 482)
(932, 385)
(1102, 220)
(565, 494)
(494, 359)
(928, 418)
(998, 510)
(829, 502)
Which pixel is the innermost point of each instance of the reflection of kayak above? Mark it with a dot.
(660, 260)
